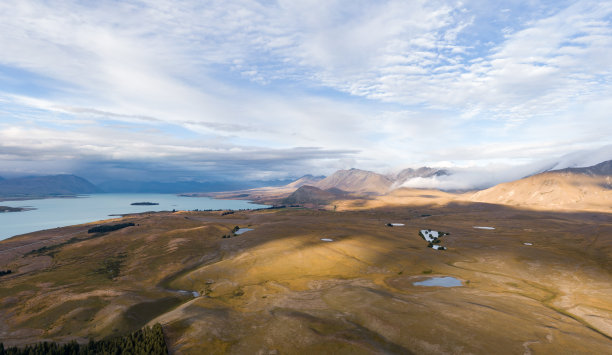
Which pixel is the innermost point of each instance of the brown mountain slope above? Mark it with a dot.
(304, 180)
(573, 188)
(312, 195)
(604, 168)
(355, 180)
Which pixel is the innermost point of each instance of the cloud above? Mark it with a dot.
(481, 177)
(148, 154)
(370, 83)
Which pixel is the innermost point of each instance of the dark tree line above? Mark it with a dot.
(109, 228)
(141, 342)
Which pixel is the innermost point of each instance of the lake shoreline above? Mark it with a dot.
(50, 212)
(38, 197)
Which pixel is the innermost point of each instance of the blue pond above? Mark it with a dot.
(445, 281)
(242, 230)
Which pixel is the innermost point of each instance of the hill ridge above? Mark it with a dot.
(356, 180)
(60, 184)
(588, 188)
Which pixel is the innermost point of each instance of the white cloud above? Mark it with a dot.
(479, 177)
(381, 79)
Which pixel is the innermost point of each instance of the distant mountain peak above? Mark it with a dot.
(61, 184)
(603, 169)
(422, 172)
(305, 180)
(356, 180)
(588, 188)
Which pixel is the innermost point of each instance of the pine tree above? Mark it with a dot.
(144, 341)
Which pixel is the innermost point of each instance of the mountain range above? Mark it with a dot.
(356, 180)
(568, 188)
(126, 186)
(67, 184)
(305, 180)
(46, 185)
(423, 172)
(587, 188)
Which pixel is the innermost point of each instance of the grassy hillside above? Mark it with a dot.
(284, 287)
(563, 189)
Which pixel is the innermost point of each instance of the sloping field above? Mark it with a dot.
(280, 289)
(568, 189)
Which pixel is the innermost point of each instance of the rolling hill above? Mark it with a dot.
(319, 282)
(326, 281)
(587, 188)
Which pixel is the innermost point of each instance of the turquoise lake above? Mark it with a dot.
(61, 212)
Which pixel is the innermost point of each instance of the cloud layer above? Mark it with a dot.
(481, 177)
(284, 88)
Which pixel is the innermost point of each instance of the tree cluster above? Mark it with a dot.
(141, 342)
(232, 233)
(274, 207)
(109, 228)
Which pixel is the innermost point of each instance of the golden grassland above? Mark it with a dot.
(280, 289)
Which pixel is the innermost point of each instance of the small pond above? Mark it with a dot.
(242, 230)
(193, 293)
(445, 281)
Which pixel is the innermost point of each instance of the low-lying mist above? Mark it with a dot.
(478, 178)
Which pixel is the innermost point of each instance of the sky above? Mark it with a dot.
(255, 90)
